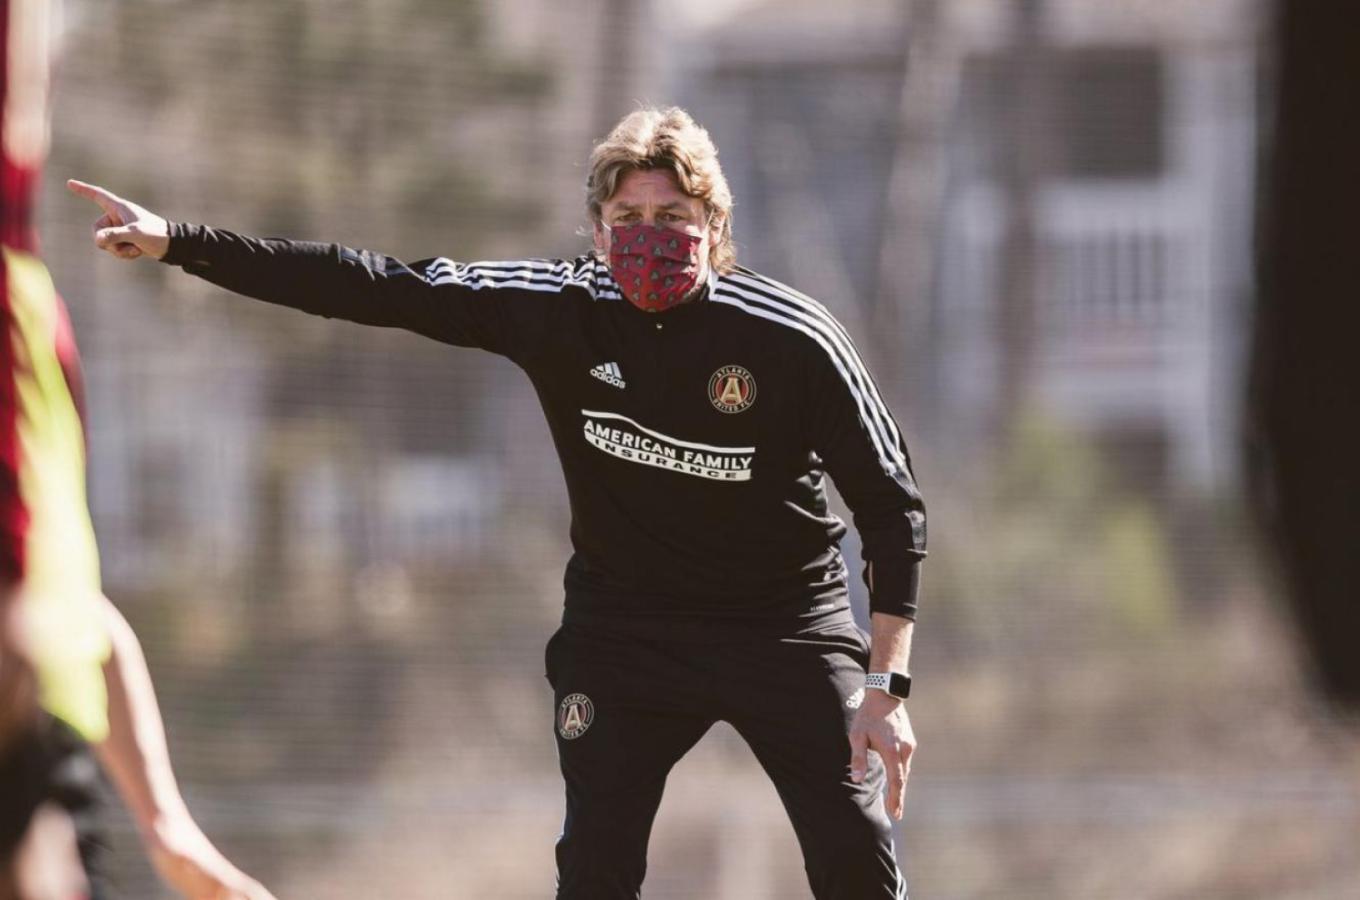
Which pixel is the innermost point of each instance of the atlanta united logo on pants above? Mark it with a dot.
(574, 716)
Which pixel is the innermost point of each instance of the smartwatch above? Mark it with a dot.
(894, 684)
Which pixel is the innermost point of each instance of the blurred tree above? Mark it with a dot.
(1024, 165)
(899, 319)
(1057, 554)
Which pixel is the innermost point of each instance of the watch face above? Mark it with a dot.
(899, 685)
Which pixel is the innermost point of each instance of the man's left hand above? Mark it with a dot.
(882, 725)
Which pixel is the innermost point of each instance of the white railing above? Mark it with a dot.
(1112, 261)
(1120, 260)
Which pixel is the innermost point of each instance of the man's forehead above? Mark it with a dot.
(649, 185)
(628, 203)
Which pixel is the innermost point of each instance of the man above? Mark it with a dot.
(697, 408)
(71, 670)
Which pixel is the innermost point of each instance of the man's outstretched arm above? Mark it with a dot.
(137, 759)
(496, 306)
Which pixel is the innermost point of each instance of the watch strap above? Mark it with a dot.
(895, 684)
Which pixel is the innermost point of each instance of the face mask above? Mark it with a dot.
(656, 267)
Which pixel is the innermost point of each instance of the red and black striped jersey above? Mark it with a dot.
(695, 442)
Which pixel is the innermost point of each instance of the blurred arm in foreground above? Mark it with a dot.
(36, 750)
(137, 759)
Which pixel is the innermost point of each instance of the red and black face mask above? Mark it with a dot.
(656, 267)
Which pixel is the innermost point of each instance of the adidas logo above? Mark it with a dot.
(609, 373)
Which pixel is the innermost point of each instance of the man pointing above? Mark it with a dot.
(697, 408)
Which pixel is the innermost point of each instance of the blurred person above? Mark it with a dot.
(72, 673)
(696, 408)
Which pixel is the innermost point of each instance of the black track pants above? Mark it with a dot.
(628, 708)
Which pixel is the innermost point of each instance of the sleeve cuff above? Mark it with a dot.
(894, 586)
(186, 242)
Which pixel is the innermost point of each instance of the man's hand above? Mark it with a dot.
(189, 863)
(125, 230)
(882, 725)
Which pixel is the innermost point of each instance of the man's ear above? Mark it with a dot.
(601, 237)
(715, 233)
(715, 230)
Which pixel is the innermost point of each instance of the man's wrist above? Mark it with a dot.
(894, 684)
(180, 238)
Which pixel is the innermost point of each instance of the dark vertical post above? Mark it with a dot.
(1304, 402)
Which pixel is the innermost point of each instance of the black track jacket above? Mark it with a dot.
(695, 442)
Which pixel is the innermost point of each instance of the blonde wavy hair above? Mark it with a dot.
(670, 140)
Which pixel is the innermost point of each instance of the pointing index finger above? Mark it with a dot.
(107, 201)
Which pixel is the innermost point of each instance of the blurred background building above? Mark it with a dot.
(343, 546)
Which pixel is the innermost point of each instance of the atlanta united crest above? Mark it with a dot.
(731, 389)
(574, 716)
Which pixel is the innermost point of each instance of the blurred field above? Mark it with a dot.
(343, 548)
